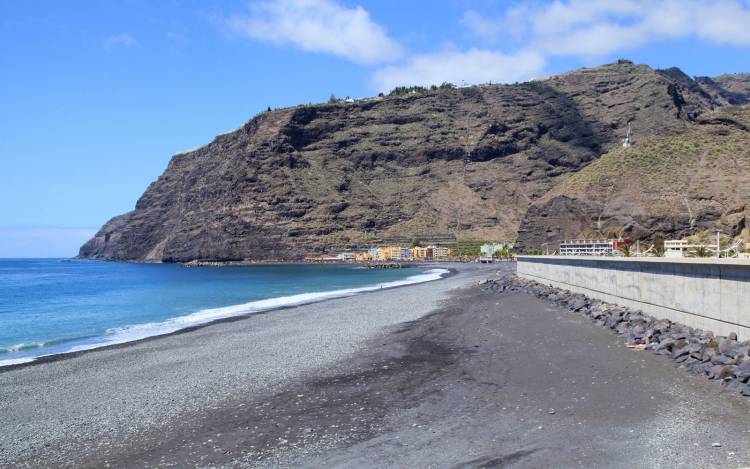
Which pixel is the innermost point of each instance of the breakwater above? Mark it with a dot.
(700, 352)
(709, 294)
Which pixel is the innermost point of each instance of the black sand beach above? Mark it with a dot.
(433, 375)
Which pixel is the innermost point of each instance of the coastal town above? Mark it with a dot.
(488, 252)
(479, 251)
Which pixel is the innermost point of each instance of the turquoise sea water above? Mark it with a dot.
(50, 306)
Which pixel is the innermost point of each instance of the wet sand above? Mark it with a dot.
(433, 375)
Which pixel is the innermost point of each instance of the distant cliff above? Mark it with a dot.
(676, 185)
(318, 178)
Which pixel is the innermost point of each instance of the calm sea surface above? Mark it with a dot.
(53, 306)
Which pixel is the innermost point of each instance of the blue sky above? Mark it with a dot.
(97, 95)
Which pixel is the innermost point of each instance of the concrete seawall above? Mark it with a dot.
(709, 294)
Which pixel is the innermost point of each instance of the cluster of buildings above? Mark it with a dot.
(683, 248)
(398, 253)
(486, 252)
(613, 247)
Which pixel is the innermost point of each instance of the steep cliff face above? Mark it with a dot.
(317, 178)
(731, 89)
(676, 185)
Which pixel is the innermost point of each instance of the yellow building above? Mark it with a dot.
(421, 253)
(362, 256)
(391, 253)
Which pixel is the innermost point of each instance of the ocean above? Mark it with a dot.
(53, 306)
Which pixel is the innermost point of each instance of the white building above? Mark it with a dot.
(587, 247)
(440, 252)
(676, 248)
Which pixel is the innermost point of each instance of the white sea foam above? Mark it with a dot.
(16, 361)
(23, 346)
(17, 347)
(121, 335)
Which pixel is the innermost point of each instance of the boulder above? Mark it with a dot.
(743, 375)
(665, 344)
(734, 385)
(722, 372)
(680, 343)
(680, 352)
(742, 352)
(716, 371)
(722, 360)
(578, 304)
(683, 359)
(708, 354)
(661, 326)
(727, 347)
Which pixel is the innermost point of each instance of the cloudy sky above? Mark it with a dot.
(97, 95)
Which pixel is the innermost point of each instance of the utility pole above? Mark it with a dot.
(718, 243)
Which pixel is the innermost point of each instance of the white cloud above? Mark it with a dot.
(516, 45)
(490, 28)
(120, 40)
(595, 28)
(597, 40)
(471, 66)
(724, 22)
(318, 26)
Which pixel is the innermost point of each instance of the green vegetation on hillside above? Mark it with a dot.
(403, 90)
(696, 179)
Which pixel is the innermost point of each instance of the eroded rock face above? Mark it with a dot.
(731, 89)
(560, 218)
(676, 185)
(313, 179)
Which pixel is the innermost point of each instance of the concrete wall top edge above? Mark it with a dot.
(657, 260)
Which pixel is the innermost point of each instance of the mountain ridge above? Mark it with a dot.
(319, 178)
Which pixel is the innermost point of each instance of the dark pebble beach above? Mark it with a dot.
(459, 372)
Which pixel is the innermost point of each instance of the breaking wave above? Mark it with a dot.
(121, 335)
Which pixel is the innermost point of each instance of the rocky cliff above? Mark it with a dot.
(313, 179)
(674, 185)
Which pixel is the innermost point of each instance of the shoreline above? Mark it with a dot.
(472, 377)
(442, 373)
(150, 387)
(55, 357)
(250, 263)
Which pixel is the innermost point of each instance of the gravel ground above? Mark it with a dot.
(85, 408)
(486, 379)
